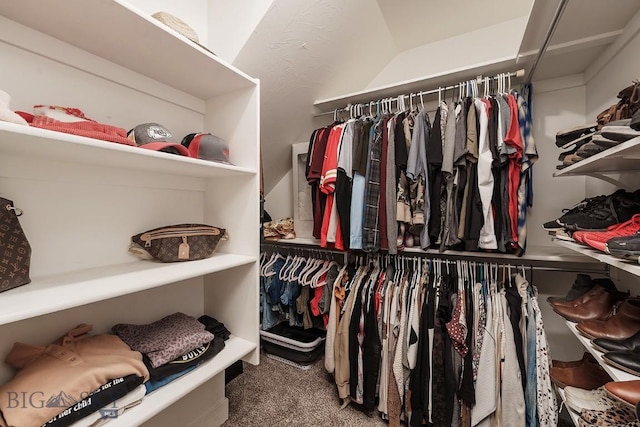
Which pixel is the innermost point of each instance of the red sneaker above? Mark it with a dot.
(599, 239)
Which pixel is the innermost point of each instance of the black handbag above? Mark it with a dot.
(15, 251)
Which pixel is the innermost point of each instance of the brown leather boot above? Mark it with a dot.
(622, 325)
(627, 392)
(598, 306)
(594, 291)
(588, 376)
(586, 358)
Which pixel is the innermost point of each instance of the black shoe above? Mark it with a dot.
(552, 225)
(568, 136)
(584, 205)
(581, 286)
(624, 247)
(614, 209)
(628, 344)
(628, 361)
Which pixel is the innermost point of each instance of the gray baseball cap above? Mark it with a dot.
(206, 146)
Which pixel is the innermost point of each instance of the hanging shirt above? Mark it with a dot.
(417, 170)
(485, 179)
(370, 229)
(328, 179)
(514, 139)
(344, 180)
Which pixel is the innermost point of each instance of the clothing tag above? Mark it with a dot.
(183, 249)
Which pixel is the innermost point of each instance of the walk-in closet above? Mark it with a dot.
(320, 213)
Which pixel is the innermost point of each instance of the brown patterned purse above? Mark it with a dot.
(15, 251)
(181, 242)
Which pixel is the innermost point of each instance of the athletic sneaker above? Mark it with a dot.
(617, 208)
(624, 247)
(578, 235)
(598, 240)
(584, 205)
(563, 234)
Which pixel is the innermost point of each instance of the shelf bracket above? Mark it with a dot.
(609, 179)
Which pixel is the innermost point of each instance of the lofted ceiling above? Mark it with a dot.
(303, 51)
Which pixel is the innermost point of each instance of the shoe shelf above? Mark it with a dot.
(153, 403)
(615, 373)
(50, 294)
(623, 157)
(575, 417)
(626, 265)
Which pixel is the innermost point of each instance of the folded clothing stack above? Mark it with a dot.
(61, 374)
(173, 345)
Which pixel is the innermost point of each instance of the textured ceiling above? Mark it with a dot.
(413, 23)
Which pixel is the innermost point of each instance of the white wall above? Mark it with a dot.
(557, 104)
(279, 201)
(500, 41)
(231, 24)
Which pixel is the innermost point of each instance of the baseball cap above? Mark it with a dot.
(206, 146)
(179, 26)
(153, 136)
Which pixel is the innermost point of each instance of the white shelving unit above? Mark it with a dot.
(84, 198)
(622, 158)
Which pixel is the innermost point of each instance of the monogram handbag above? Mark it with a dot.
(15, 251)
(180, 242)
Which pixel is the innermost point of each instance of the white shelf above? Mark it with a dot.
(574, 416)
(62, 291)
(535, 254)
(152, 404)
(628, 266)
(43, 143)
(615, 373)
(124, 35)
(623, 157)
(422, 83)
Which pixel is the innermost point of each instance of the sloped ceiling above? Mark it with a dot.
(413, 23)
(307, 50)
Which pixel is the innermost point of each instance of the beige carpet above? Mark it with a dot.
(276, 394)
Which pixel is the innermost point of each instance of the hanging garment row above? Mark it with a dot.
(462, 180)
(293, 289)
(448, 343)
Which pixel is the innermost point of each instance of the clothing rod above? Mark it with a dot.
(552, 29)
(480, 80)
